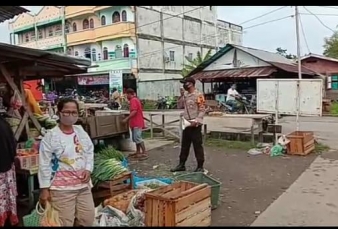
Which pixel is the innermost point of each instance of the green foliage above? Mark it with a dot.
(334, 109)
(283, 52)
(192, 64)
(331, 46)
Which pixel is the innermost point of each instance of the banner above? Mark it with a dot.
(116, 80)
(93, 80)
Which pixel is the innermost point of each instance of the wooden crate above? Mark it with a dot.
(179, 204)
(301, 143)
(121, 201)
(120, 184)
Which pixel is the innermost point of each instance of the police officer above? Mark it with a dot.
(194, 109)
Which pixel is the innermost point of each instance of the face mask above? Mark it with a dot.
(186, 87)
(68, 120)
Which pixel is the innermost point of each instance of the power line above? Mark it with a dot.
(329, 7)
(270, 12)
(318, 19)
(304, 36)
(212, 36)
(335, 15)
(263, 23)
(150, 23)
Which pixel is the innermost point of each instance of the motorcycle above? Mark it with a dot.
(244, 106)
(161, 103)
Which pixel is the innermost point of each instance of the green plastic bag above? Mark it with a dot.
(276, 150)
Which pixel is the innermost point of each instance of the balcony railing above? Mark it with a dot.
(113, 31)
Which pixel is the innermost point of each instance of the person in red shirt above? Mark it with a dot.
(136, 124)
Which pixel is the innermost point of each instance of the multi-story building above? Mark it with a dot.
(148, 43)
(106, 35)
(44, 30)
(168, 34)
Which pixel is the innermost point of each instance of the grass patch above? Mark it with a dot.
(145, 134)
(229, 144)
(320, 148)
(334, 109)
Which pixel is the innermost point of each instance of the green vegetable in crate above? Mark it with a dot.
(106, 169)
(109, 153)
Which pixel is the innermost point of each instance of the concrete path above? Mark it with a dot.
(310, 201)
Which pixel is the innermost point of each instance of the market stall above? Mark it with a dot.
(18, 64)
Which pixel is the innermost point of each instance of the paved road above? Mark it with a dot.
(310, 201)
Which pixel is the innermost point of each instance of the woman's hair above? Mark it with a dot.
(130, 91)
(63, 101)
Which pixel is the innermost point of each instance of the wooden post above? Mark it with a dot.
(163, 125)
(28, 112)
(151, 127)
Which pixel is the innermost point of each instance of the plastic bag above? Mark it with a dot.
(50, 217)
(110, 217)
(135, 216)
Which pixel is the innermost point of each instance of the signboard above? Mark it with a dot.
(287, 96)
(93, 80)
(116, 80)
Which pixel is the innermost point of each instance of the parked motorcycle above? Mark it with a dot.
(161, 103)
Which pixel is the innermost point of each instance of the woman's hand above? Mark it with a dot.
(44, 196)
(85, 176)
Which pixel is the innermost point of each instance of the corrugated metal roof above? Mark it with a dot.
(265, 55)
(319, 57)
(255, 72)
(13, 49)
(272, 58)
(8, 12)
(292, 68)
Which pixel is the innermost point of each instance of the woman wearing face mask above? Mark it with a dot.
(65, 165)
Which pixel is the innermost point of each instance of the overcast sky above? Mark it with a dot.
(271, 35)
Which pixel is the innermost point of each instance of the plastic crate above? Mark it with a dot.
(145, 183)
(201, 178)
(28, 162)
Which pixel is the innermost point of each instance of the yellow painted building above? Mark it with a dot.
(104, 34)
(44, 30)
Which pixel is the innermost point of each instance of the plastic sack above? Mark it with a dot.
(110, 217)
(276, 150)
(135, 216)
(50, 217)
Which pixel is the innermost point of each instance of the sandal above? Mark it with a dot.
(142, 156)
(133, 154)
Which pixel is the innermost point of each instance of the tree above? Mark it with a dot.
(331, 46)
(283, 52)
(192, 64)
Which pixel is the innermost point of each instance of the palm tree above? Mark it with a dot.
(192, 64)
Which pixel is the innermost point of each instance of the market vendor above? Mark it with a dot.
(65, 166)
(8, 189)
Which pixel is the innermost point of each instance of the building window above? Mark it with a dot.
(332, 82)
(124, 15)
(58, 30)
(172, 55)
(69, 51)
(26, 37)
(103, 20)
(99, 56)
(190, 56)
(87, 53)
(67, 25)
(50, 32)
(105, 53)
(118, 51)
(33, 36)
(91, 23)
(93, 54)
(76, 53)
(74, 27)
(126, 50)
(116, 17)
(40, 34)
(85, 24)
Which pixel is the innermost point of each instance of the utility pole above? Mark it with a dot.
(299, 65)
(216, 31)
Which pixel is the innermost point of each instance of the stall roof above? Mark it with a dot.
(36, 62)
(8, 12)
(232, 73)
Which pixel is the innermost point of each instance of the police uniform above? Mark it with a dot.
(194, 110)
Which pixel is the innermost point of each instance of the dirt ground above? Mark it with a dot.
(249, 183)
